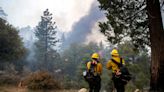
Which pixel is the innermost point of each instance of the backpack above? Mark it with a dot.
(90, 74)
(125, 74)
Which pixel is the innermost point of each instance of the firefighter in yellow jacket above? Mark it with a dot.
(94, 68)
(112, 64)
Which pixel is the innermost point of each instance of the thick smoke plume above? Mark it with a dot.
(83, 27)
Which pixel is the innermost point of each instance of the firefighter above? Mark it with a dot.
(94, 71)
(113, 64)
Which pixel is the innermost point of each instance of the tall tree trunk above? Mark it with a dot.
(46, 49)
(157, 46)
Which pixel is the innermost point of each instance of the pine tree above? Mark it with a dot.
(46, 34)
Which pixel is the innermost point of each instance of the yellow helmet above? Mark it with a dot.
(95, 55)
(114, 52)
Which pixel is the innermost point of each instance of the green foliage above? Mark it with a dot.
(74, 61)
(11, 46)
(138, 64)
(41, 80)
(77, 54)
(126, 19)
(141, 76)
(128, 51)
(75, 58)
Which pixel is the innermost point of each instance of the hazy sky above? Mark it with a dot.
(27, 12)
(66, 14)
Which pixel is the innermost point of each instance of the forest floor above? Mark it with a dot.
(16, 89)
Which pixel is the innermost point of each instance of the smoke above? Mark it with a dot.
(28, 38)
(83, 27)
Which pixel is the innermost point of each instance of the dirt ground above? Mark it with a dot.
(16, 89)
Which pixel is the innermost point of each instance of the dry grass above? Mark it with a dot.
(12, 89)
(16, 89)
(41, 80)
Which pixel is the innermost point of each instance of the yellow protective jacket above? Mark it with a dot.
(111, 65)
(97, 69)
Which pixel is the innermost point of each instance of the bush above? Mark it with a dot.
(8, 79)
(41, 80)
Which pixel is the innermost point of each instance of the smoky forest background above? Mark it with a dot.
(43, 58)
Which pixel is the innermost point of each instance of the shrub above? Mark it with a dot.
(41, 80)
(9, 79)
